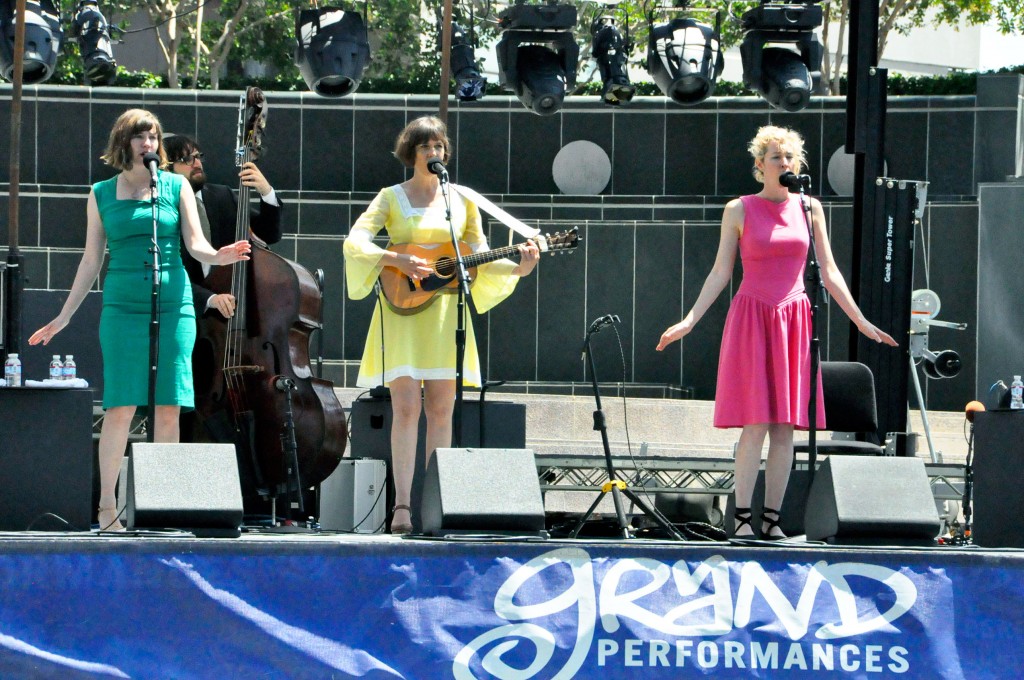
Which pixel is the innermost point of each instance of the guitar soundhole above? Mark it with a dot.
(445, 267)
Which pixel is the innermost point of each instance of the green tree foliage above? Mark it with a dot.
(405, 38)
(202, 40)
(903, 16)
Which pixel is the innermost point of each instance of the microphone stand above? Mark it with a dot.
(288, 443)
(814, 276)
(460, 329)
(967, 502)
(319, 276)
(154, 318)
(617, 487)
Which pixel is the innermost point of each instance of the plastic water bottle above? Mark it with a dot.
(12, 370)
(1016, 393)
(70, 369)
(56, 368)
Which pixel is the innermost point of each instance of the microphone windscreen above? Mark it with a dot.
(789, 180)
(151, 158)
(972, 408)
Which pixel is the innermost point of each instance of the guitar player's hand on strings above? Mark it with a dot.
(529, 256)
(416, 268)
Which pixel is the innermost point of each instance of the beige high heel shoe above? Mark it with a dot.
(401, 528)
(108, 519)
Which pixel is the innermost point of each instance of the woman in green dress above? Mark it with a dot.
(119, 214)
(414, 355)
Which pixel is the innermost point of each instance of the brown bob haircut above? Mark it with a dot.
(130, 123)
(423, 130)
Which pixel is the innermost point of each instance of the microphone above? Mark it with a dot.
(603, 321)
(283, 384)
(999, 395)
(435, 166)
(794, 182)
(151, 161)
(972, 408)
(599, 323)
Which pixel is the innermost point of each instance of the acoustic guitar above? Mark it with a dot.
(407, 296)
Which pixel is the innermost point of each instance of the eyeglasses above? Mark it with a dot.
(191, 158)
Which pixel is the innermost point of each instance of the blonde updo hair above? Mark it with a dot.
(787, 139)
(118, 154)
(422, 130)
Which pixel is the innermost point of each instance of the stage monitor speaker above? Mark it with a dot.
(690, 507)
(352, 498)
(998, 459)
(193, 487)
(482, 491)
(46, 459)
(872, 500)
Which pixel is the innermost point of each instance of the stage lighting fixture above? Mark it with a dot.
(684, 57)
(537, 54)
(331, 50)
(469, 84)
(924, 307)
(92, 31)
(44, 39)
(944, 364)
(781, 54)
(610, 51)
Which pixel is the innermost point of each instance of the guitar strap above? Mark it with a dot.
(494, 211)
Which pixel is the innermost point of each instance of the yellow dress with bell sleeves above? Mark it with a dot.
(420, 345)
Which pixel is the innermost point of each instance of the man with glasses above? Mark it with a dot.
(218, 213)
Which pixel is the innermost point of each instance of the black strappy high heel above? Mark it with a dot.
(742, 517)
(767, 535)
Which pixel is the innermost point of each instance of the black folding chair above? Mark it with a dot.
(848, 388)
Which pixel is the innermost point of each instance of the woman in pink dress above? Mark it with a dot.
(763, 371)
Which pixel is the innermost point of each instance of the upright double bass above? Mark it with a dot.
(288, 425)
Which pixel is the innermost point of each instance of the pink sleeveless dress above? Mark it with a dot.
(764, 365)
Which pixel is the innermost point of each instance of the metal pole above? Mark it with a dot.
(865, 135)
(446, 65)
(924, 413)
(13, 279)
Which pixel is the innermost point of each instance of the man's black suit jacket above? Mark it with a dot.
(222, 211)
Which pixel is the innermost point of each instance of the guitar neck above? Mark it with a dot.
(476, 259)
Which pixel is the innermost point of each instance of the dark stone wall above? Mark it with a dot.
(649, 238)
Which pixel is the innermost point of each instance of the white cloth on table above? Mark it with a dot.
(50, 382)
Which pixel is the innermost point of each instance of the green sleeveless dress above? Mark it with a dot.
(127, 293)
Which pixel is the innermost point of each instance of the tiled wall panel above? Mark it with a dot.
(650, 238)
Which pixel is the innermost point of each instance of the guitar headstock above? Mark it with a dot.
(562, 242)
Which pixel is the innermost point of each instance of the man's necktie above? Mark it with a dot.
(204, 223)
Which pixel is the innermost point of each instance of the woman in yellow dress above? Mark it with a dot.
(410, 353)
